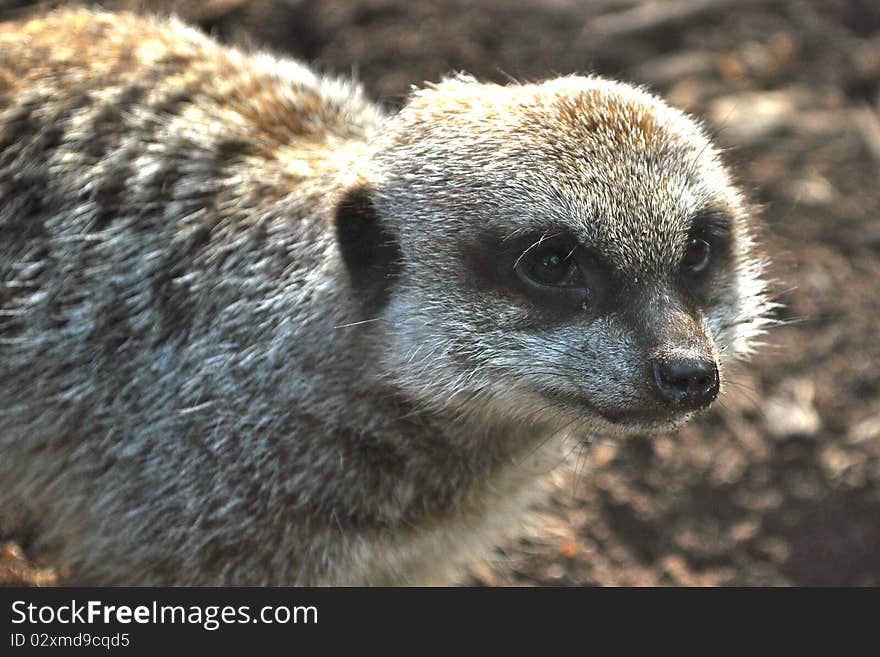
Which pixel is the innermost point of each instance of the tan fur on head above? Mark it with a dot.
(253, 330)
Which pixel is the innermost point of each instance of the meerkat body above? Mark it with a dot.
(253, 330)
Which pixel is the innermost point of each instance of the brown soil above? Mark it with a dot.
(780, 484)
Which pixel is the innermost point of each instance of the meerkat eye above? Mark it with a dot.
(550, 264)
(697, 256)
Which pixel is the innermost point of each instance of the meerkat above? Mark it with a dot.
(256, 330)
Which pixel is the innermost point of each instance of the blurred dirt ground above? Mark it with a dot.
(780, 483)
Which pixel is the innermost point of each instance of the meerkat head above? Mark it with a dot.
(572, 251)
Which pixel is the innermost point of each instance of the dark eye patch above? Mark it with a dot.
(707, 249)
(714, 226)
(697, 256)
(549, 262)
(551, 272)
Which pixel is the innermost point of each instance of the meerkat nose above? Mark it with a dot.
(686, 383)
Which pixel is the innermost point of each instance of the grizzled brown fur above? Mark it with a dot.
(253, 330)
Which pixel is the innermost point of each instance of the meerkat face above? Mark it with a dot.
(572, 250)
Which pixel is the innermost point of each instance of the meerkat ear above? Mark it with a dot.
(370, 249)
